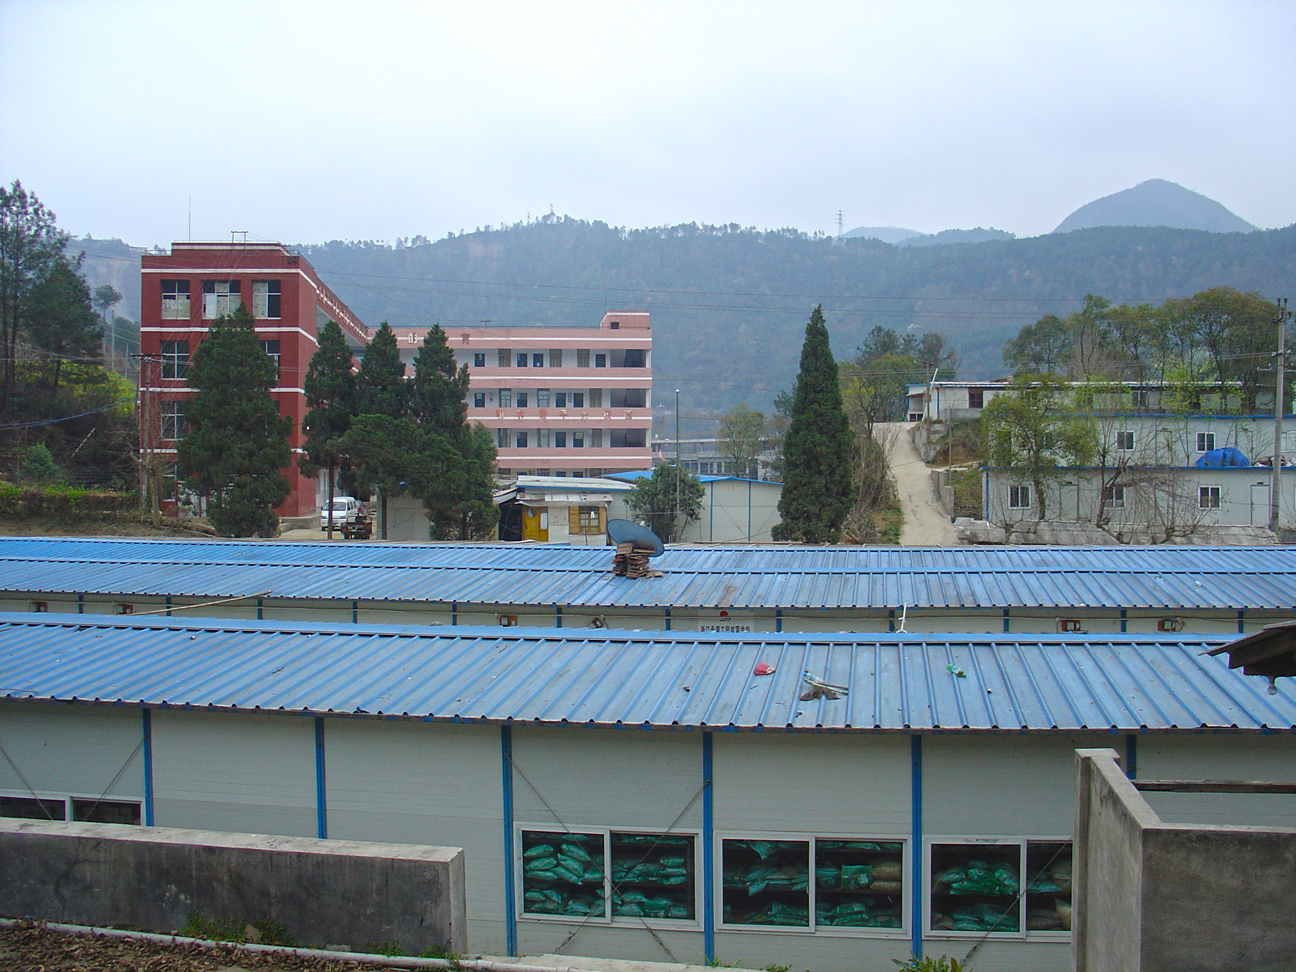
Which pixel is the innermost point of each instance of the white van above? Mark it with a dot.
(344, 508)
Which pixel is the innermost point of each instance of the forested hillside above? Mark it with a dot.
(729, 304)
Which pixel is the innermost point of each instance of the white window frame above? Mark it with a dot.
(905, 930)
(506, 397)
(582, 357)
(68, 800)
(174, 360)
(1209, 497)
(1023, 933)
(1115, 497)
(542, 397)
(1015, 496)
(273, 350)
(262, 303)
(699, 900)
(176, 303)
(1125, 440)
(596, 398)
(171, 420)
(1206, 439)
(223, 299)
(542, 438)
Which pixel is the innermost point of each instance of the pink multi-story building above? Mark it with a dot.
(560, 401)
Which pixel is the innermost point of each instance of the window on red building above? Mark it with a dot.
(220, 297)
(175, 300)
(271, 348)
(175, 359)
(174, 425)
(265, 299)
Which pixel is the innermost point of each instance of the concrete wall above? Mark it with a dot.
(322, 893)
(1157, 897)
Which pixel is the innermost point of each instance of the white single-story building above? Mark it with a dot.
(1111, 590)
(649, 796)
(734, 510)
(1136, 501)
(556, 509)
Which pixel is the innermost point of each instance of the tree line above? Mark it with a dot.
(1219, 337)
(370, 430)
(56, 395)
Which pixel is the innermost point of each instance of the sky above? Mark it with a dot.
(304, 122)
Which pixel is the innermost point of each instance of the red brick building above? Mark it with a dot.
(184, 290)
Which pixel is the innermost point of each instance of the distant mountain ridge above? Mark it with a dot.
(1156, 202)
(729, 305)
(906, 237)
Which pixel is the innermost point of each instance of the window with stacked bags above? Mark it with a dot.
(855, 884)
(612, 875)
(978, 888)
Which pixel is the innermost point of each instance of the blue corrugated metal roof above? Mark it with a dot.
(659, 679)
(739, 577)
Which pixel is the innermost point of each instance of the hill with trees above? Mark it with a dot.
(729, 303)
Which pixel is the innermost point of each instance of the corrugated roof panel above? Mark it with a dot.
(1157, 578)
(659, 679)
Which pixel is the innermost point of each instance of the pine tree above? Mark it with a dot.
(458, 496)
(381, 388)
(817, 449)
(237, 443)
(331, 395)
(440, 392)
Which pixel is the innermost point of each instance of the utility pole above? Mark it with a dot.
(675, 518)
(1275, 488)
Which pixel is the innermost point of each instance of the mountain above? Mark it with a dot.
(977, 235)
(887, 234)
(1156, 203)
(729, 305)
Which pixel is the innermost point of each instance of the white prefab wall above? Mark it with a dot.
(630, 779)
(1022, 786)
(1217, 757)
(775, 784)
(234, 771)
(76, 750)
(419, 783)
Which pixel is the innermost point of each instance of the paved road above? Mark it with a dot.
(924, 523)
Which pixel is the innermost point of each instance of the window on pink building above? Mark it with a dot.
(555, 358)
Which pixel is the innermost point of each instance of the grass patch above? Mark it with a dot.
(259, 930)
(967, 492)
(888, 522)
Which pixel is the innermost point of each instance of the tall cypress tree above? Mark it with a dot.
(237, 443)
(817, 449)
(381, 388)
(331, 395)
(458, 496)
(440, 392)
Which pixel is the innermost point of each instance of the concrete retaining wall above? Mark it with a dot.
(324, 892)
(1152, 896)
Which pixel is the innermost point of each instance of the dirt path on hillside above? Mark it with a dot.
(924, 523)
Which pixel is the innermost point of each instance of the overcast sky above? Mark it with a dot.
(304, 122)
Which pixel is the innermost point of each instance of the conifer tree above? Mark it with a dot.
(381, 388)
(458, 494)
(237, 443)
(331, 395)
(817, 449)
